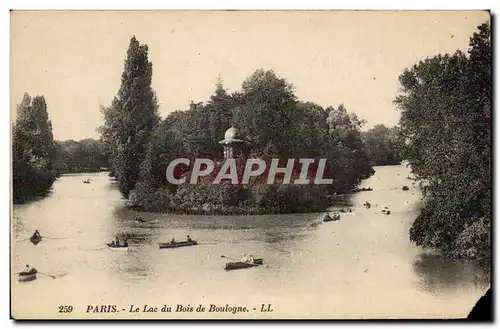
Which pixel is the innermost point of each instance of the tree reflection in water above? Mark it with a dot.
(439, 274)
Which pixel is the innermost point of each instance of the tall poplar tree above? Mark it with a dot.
(131, 117)
(32, 149)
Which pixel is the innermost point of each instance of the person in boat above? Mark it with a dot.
(117, 242)
(251, 259)
(173, 241)
(36, 236)
(30, 269)
(189, 239)
(244, 259)
(125, 243)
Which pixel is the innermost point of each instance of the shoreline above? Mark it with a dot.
(232, 211)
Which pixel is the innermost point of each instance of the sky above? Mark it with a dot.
(75, 58)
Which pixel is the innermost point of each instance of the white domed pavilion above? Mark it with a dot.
(230, 142)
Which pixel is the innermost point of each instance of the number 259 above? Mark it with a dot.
(65, 309)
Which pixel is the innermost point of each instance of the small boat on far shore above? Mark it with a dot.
(139, 219)
(28, 276)
(170, 245)
(329, 218)
(361, 189)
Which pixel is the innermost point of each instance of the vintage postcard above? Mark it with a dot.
(250, 164)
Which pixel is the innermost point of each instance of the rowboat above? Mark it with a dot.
(27, 276)
(241, 265)
(331, 219)
(177, 244)
(117, 248)
(362, 189)
(35, 239)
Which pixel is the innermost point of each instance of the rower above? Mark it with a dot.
(125, 243)
(244, 259)
(30, 269)
(117, 243)
(173, 241)
(189, 239)
(37, 234)
(251, 259)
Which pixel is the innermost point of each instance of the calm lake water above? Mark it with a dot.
(362, 266)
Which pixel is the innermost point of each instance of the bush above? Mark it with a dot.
(293, 198)
(474, 241)
(208, 197)
(147, 198)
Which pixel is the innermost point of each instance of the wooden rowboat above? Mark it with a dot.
(117, 248)
(331, 219)
(35, 239)
(241, 265)
(28, 276)
(171, 245)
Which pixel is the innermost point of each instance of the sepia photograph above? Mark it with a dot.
(242, 165)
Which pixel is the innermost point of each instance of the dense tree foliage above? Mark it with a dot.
(446, 122)
(383, 145)
(87, 155)
(267, 115)
(348, 160)
(131, 117)
(32, 150)
(273, 124)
